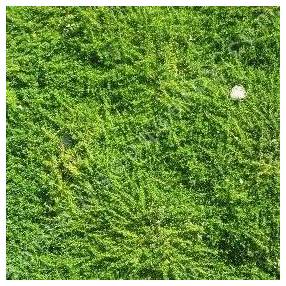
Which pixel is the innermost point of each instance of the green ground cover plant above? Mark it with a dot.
(126, 158)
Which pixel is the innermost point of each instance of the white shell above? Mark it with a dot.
(238, 92)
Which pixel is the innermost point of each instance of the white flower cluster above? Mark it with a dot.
(238, 92)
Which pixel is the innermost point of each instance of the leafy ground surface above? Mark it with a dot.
(126, 159)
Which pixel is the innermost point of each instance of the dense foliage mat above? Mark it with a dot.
(126, 158)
